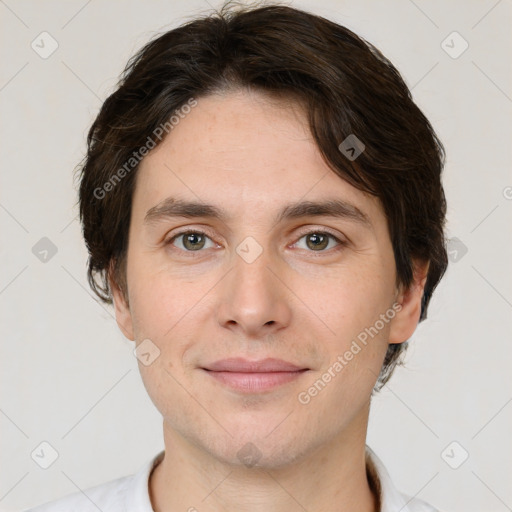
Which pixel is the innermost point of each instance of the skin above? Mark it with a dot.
(251, 155)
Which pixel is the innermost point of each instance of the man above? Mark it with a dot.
(262, 203)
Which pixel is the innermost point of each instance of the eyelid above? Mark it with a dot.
(322, 230)
(302, 232)
(341, 241)
(187, 229)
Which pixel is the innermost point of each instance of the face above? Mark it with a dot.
(249, 303)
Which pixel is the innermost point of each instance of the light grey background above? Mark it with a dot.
(69, 377)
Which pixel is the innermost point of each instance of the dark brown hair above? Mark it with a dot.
(345, 85)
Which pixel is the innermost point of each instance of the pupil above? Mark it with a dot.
(317, 241)
(193, 241)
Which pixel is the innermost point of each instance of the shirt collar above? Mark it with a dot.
(391, 499)
(137, 495)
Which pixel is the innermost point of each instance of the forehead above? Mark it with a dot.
(243, 152)
(241, 132)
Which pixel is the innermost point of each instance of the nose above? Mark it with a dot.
(253, 300)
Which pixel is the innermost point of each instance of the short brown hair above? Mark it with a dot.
(346, 86)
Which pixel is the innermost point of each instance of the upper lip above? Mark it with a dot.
(241, 365)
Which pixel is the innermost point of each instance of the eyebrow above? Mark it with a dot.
(336, 208)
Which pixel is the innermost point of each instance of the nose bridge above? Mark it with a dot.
(252, 279)
(252, 297)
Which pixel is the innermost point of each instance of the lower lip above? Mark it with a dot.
(255, 382)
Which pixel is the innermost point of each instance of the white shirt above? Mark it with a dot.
(131, 493)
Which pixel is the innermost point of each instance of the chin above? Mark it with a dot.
(255, 448)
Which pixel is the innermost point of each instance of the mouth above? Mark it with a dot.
(254, 376)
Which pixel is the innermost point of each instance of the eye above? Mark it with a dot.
(319, 241)
(191, 241)
(195, 241)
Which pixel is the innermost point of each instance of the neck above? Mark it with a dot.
(332, 477)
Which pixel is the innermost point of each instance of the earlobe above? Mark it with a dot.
(406, 320)
(122, 310)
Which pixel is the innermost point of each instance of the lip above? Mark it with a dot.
(254, 376)
(241, 365)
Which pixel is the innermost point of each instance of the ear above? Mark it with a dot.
(406, 320)
(121, 307)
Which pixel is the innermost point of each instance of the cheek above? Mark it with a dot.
(356, 340)
(170, 312)
(159, 302)
(347, 300)
(165, 387)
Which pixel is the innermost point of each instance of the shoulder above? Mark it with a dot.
(107, 497)
(126, 494)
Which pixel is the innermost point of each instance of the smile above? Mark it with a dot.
(253, 376)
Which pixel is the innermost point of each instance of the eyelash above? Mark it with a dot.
(341, 243)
